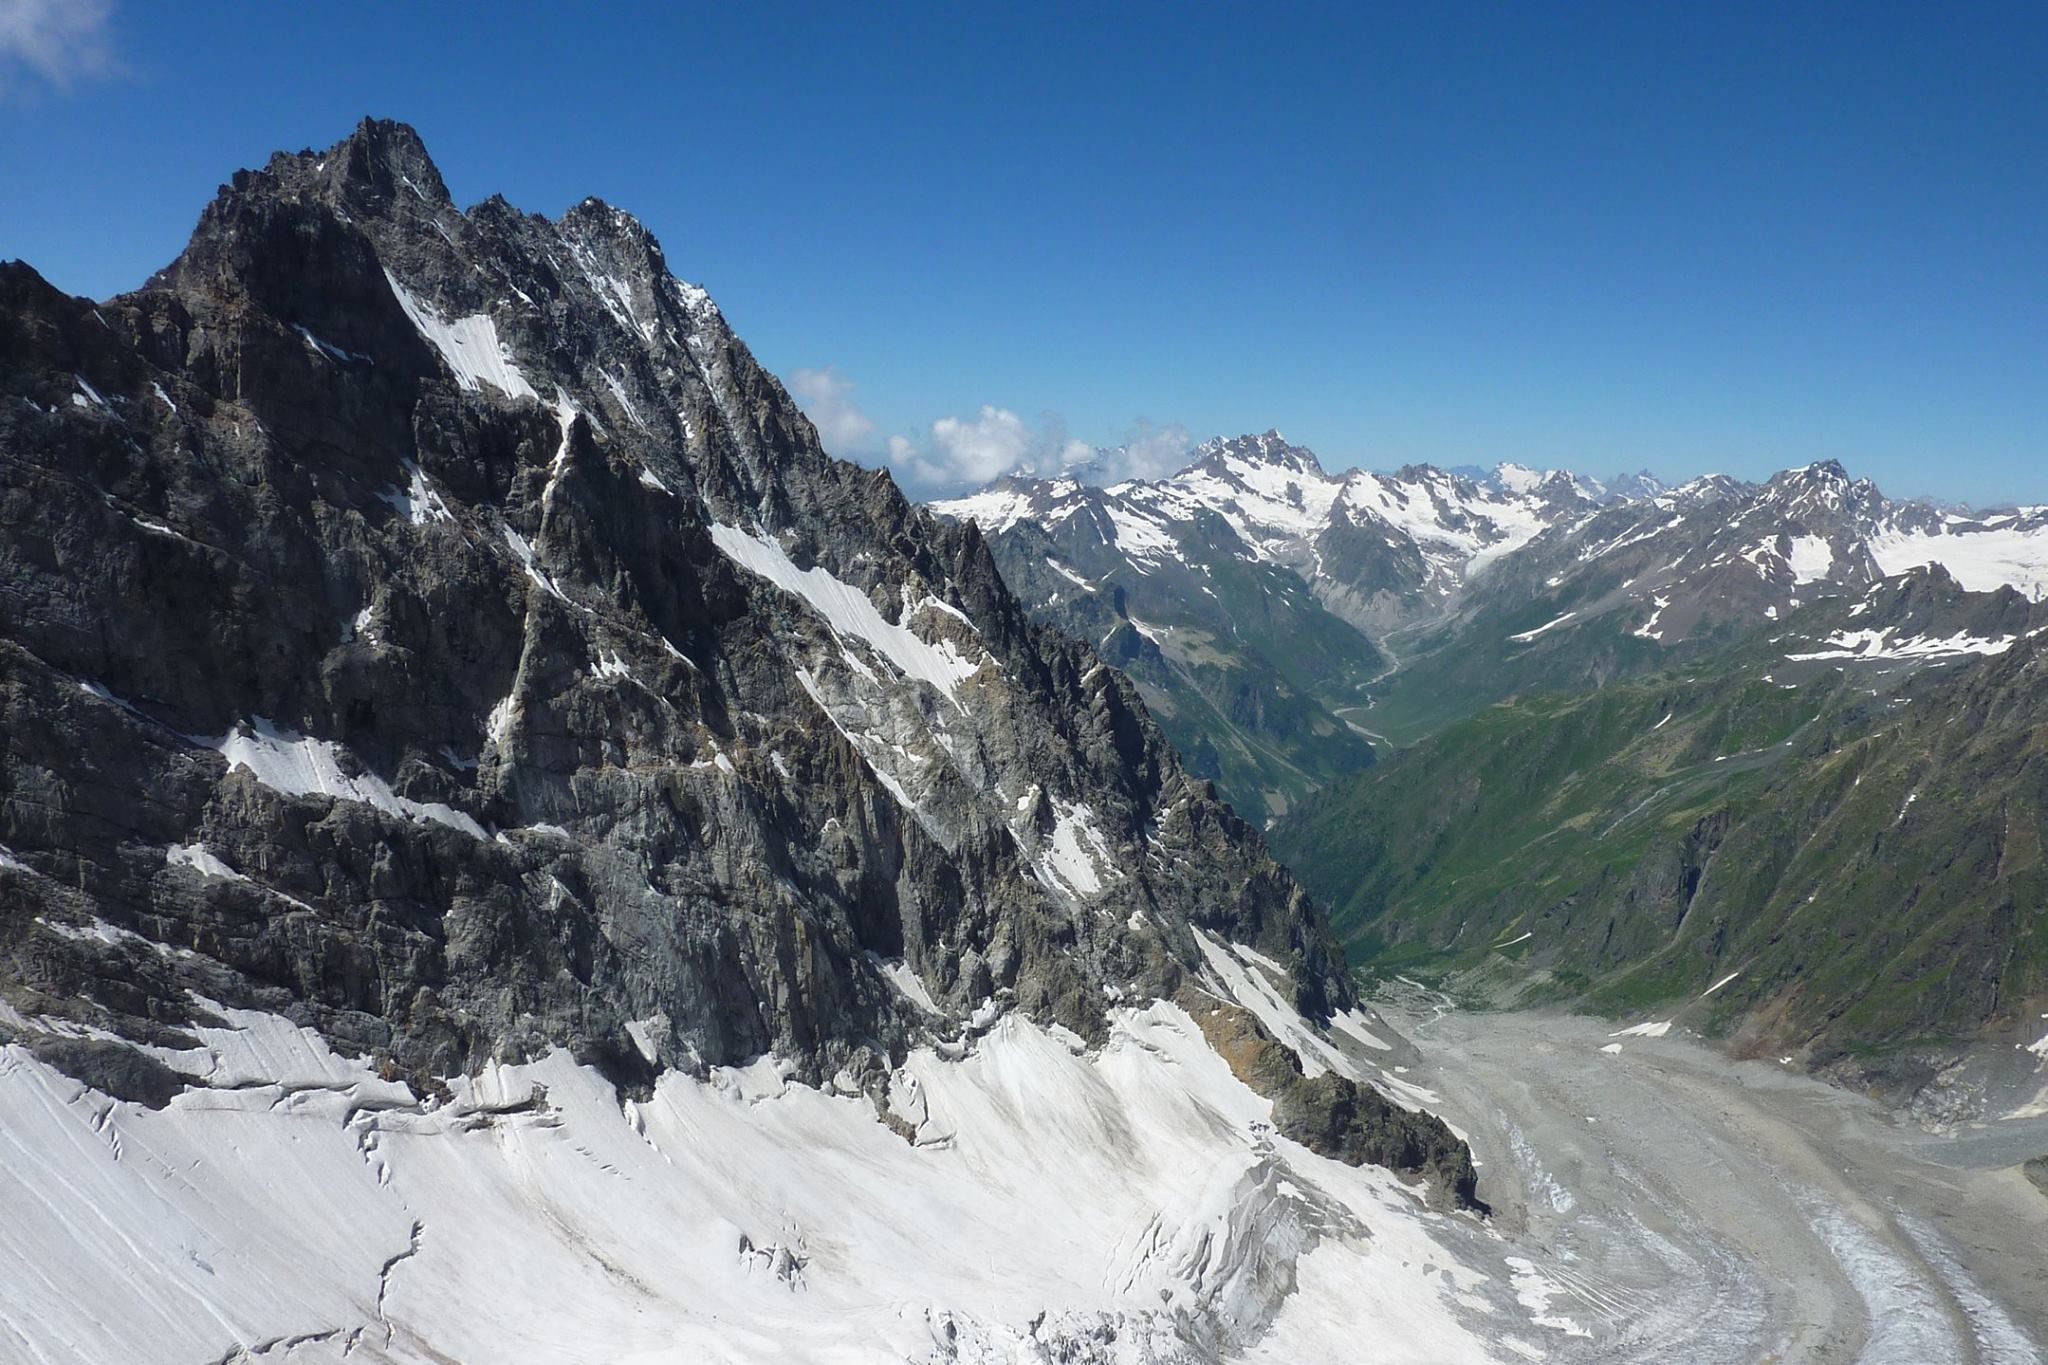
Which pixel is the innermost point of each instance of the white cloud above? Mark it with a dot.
(963, 452)
(977, 451)
(959, 453)
(55, 41)
(826, 396)
(954, 454)
(1149, 452)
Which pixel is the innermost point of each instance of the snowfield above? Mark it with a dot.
(470, 346)
(849, 612)
(1128, 1204)
(1036, 1200)
(1983, 557)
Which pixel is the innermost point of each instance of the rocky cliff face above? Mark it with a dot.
(435, 626)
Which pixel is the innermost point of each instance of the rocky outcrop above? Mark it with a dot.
(1334, 1115)
(1338, 1117)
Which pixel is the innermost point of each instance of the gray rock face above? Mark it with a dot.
(434, 625)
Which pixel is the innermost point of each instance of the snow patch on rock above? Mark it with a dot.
(299, 765)
(470, 346)
(848, 611)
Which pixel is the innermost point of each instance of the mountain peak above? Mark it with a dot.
(1823, 488)
(1266, 449)
(380, 160)
(1518, 478)
(1821, 471)
(610, 459)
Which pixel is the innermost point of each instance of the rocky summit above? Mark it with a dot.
(438, 620)
(464, 739)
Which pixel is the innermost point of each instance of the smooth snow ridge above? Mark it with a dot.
(1244, 982)
(848, 611)
(1064, 572)
(904, 979)
(1719, 984)
(1981, 559)
(469, 345)
(301, 766)
(1525, 636)
(1127, 1204)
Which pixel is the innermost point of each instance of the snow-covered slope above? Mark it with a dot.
(1035, 1199)
(1982, 551)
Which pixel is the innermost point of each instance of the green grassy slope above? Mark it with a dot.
(1870, 865)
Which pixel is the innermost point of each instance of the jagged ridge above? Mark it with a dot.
(655, 731)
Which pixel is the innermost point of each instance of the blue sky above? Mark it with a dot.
(1732, 237)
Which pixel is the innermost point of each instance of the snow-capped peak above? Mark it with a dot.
(1268, 448)
(1420, 529)
(1518, 478)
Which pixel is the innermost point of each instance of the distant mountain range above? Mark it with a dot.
(1379, 550)
(1602, 709)
(1250, 594)
(1476, 587)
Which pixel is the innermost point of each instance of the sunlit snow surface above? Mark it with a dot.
(1131, 1195)
(469, 345)
(302, 766)
(1891, 644)
(1810, 559)
(1982, 558)
(848, 611)
(1076, 857)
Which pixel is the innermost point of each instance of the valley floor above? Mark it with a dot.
(1686, 1206)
